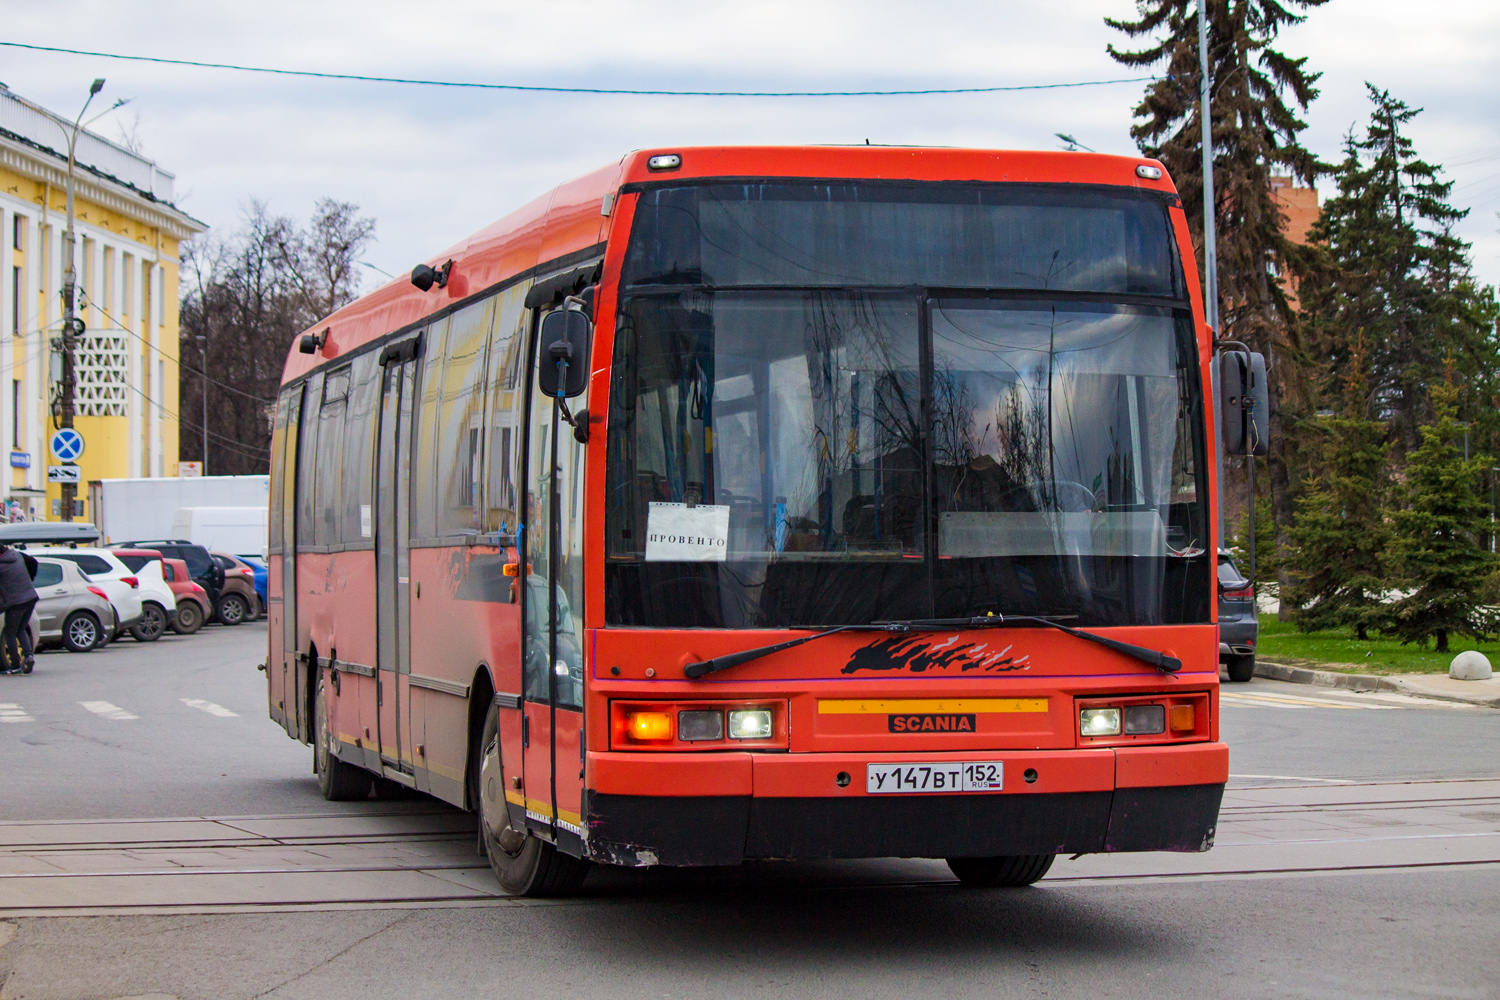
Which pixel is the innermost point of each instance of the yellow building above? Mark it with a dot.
(128, 233)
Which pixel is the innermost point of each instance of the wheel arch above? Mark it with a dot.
(312, 675)
(481, 697)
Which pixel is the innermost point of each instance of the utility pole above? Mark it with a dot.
(1210, 244)
(203, 366)
(71, 325)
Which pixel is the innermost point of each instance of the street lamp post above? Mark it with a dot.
(203, 370)
(1211, 251)
(69, 290)
(72, 326)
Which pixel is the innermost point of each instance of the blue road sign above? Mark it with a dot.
(67, 444)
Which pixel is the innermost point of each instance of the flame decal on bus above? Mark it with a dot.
(917, 654)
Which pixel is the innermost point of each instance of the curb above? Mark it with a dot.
(1360, 682)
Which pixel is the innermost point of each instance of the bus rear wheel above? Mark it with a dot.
(338, 781)
(524, 865)
(1002, 872)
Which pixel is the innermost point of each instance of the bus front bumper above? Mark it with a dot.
(719, 809)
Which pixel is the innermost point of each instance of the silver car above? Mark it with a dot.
(70, 608)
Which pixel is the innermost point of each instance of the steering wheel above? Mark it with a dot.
(1069, 496)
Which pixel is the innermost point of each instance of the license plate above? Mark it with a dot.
(944, 776)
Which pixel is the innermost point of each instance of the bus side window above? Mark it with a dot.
(307, 466)
(424, 500)
(507, 397)
(278, 472)
(460, 420)
(330, 500)
(359, 452)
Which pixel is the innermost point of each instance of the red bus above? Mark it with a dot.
(734, 503)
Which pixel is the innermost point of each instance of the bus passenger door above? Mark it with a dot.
(392, 556)
(552, 653)
(283, 675)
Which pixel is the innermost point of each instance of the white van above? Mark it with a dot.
(225, 529)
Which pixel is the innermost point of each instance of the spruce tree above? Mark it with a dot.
(1437, 546)
(1339, 537)
(1383, 264)
(1257, 95)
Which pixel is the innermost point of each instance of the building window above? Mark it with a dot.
(15, 301)
(15, 414)
(17, 223)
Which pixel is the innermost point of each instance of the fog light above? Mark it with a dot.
(1145, 720)
(1099, 721)
(693, 727)
(1183, 720)
(648, 726)
(750, 724)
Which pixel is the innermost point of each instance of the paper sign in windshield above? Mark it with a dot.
(678, 533)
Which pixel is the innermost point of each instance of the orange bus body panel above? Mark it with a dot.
(624, 795)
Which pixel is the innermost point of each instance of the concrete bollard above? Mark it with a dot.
(1470, 665)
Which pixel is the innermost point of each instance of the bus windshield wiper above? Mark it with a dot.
(703, 668)
(1161, 661)
(1166, 664)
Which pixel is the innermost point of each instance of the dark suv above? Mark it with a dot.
(205, 570)
(1238, 625)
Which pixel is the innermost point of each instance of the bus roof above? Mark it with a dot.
(569, 219)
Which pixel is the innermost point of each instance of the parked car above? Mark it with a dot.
(159, 604)
(239, 601)
(1239, 625)
(257, 564)
(193, 607)
(70, 608)
(104, 568)
(205, 570)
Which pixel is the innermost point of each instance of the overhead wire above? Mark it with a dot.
(177, 360)
(538, 88)
(233, 443)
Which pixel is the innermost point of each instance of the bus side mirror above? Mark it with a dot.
(563, 361)
(1244, 403)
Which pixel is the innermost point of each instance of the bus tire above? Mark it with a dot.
(1240, 668)
(1003, 872)
(524, 865)
(337, 780)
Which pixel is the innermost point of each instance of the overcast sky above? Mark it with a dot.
(432, 165)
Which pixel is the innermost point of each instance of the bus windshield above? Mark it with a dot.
(825, 456)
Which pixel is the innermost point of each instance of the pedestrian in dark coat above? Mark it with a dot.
(18, 598)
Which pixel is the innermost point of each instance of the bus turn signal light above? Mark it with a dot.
(649, 726)
(1183, 720)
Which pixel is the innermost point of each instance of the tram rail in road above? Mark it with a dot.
(1282, 827)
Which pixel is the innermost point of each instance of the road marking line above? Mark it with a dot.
(210, 708)
(1291, 777)
(1293, 701)
(108, 711)
(11, 712)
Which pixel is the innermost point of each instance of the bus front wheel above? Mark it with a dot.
(525, 865)
(1002, 872)
(338, 781)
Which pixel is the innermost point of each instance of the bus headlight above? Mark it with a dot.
(750, 724)
(1099, 722)
(697, 726)
(1146, 720)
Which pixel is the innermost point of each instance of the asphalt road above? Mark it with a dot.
(1335, 876)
